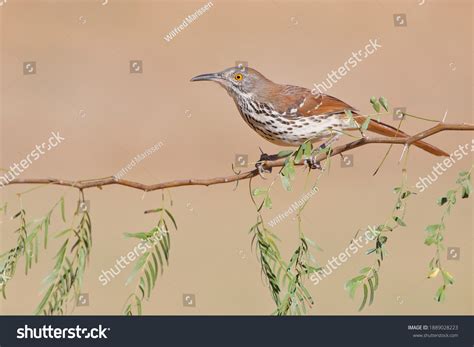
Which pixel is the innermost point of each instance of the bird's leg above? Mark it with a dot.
(312, 163)
(263, 158)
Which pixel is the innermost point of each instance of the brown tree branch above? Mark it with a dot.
(99, 183)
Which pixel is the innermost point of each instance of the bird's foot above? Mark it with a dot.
(263, 158)
(262, 170)
(312, 163)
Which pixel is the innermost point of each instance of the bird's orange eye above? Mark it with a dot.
(238, 77)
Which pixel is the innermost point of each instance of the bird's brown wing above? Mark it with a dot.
(296, 101)
(300, 102)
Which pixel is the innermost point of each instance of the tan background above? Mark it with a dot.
(82, 50)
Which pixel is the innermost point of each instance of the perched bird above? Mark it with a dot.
(289, 115)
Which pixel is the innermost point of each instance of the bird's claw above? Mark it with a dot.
(312, 163)
(260, 163)
(262, 170)
(264, 157)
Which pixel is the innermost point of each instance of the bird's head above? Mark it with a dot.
(238, 80)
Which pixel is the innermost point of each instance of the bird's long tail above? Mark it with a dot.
(387, 130)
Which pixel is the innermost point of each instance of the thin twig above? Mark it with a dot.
(98, 183)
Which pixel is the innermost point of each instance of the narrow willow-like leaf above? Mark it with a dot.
(45, 299)
(148, 283)
(372, 290)
(63, 213)
(364, 300)
(299, 154)
(172, 219)
(138, 266)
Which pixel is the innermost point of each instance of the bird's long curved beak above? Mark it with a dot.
(207, 77)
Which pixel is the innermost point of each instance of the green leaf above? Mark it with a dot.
(365, 298)
(430, 240)
(299, 153)
(405, 194)
(148, 283)
(164, 247)
(138, 266)
(366, 123)
(369, 251)
(352, 290)
(433, 273)
(139, 305)
(384, 102)
(352, 285)
(46, 231)
(141, 236)
(399, 221)
(259, 191)
(375, 104)
(451, 195)
(172, 219)
(141, 287)
(63, 213)
(372, 290)
(285, 181)
(285, 153)
(268, 202)
(44, 300)
(357, 278)
(466, 189)
(153, 273)
(433, 228)
(376, 280)
(289, 170)
(441, 201)
(440, 294)
(307, 149)
(155, 262)
(448, 279)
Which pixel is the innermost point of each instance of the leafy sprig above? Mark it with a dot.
(151, 263)
(64, 283)
(368, 277)
(279, 274)
(435, 232)
(285, 279)
(27, 243)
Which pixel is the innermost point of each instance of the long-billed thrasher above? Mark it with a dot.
(289, 115)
